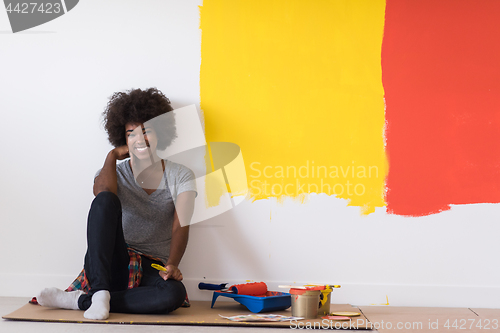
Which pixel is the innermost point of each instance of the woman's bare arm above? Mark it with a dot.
(184, 208)
(106, 180)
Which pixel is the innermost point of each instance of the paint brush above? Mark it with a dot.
(159, 267)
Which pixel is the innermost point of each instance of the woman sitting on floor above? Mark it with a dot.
(133, 222)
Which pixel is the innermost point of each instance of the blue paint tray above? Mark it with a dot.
(273, 301)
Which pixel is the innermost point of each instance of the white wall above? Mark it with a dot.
(54, 83)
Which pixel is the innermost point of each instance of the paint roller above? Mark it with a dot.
(249, 289)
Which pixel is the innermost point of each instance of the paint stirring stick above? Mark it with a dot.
(327, 285)
(309, 287)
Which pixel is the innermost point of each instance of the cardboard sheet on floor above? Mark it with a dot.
(422, 319)
(199, 313)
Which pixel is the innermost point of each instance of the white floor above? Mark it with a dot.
(10, 304)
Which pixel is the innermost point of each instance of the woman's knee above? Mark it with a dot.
(105, 209)
(105, 204)
(107, 198)
(173, 293)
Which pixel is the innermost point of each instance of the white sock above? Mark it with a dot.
(57, 298)
(99, 309)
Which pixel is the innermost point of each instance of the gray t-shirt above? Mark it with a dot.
(147, 219)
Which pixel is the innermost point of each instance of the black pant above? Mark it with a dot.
(106, 266)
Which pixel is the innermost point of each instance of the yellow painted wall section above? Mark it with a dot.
(298, 86)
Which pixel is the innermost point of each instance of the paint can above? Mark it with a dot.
(325, 300)
(305, 303)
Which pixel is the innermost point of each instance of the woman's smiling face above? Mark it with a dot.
(141, 140)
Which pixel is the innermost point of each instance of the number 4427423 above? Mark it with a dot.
(467, 324)
(32, 7)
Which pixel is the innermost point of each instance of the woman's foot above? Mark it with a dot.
(99, 309)
(57, 298)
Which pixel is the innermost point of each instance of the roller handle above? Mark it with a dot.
(211, 286)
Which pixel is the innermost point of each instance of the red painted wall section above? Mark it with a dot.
(441, 75)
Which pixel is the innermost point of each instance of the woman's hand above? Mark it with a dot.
(121, 152)
(172, 273)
